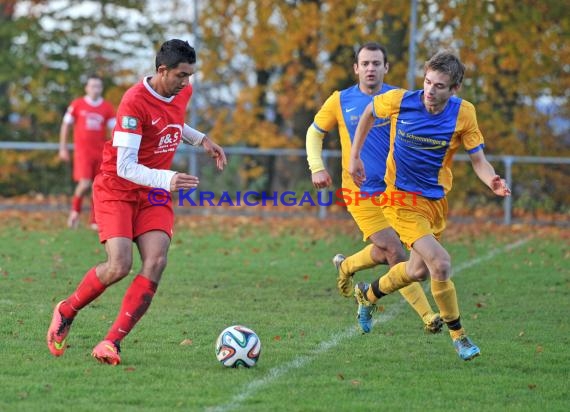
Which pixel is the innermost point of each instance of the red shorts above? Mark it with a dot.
(128, 213)
(86, 164)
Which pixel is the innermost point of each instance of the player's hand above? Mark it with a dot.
(499, 186)
(356, 170)
(64, 154)
(321, 179)
(216, 152)
(183, 181)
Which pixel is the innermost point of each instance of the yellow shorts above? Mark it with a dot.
(368, 216)
(415, 218)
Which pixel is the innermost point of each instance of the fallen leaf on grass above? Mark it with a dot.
(186, 342)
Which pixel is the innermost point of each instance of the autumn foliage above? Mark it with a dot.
(265, 67)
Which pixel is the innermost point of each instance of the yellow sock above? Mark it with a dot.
(416, 297)
(456, 333)
(446, 299)
(395, 279)
(359, 261)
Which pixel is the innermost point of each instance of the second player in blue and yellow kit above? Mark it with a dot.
(426, 129)
(342, 110)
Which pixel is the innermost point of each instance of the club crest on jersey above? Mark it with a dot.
(128, 122)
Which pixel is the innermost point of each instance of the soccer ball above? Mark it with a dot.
(238, 346)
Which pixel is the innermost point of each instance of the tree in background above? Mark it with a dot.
(517, 55)
(7, 33)
(55, 45)
(267, 66)
(48, 50)
(264, 68)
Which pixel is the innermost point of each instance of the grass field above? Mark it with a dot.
(275, 276)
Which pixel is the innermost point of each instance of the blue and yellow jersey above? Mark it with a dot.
(422, 144)
(343, 109)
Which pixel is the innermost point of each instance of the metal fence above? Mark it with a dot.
(192, 154)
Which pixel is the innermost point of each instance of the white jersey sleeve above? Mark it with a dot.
(129, 168)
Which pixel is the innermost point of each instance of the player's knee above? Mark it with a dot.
(83, 187)
(394, 253)
(378, 256)
(155, 265)
(442, 268)
(398, 253)
(117, 270)
(419, 273)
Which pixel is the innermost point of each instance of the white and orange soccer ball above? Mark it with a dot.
(238, 345)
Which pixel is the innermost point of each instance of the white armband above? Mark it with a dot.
(68, 118)
(192, 136)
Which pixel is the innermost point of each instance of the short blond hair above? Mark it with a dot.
(446, 61)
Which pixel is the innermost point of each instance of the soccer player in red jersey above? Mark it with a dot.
(92, 118)
(136, 163)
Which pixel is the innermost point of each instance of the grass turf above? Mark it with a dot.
(276, 277)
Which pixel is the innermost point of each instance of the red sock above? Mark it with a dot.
(87, 291)
(76, 203)
(135, 303)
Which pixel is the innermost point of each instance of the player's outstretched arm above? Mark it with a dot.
(216, 152)
(183, 181)
(356, 167)
(499, 186)
(314, 147)
(321, 179)
(197, 138)
(486, 173)
(63, 133)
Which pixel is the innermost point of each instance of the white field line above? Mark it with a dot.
(275, 373)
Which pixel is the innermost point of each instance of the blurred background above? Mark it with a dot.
(265, 67)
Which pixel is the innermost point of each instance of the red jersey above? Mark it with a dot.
(90, 121)
(154, 119)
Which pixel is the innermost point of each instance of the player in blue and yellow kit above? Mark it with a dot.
(343, 109)
(427, 128)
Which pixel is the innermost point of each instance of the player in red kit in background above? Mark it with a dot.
(92, 118)
(150, 126)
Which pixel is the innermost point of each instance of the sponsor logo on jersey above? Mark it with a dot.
(420, 142)
(169, 138)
